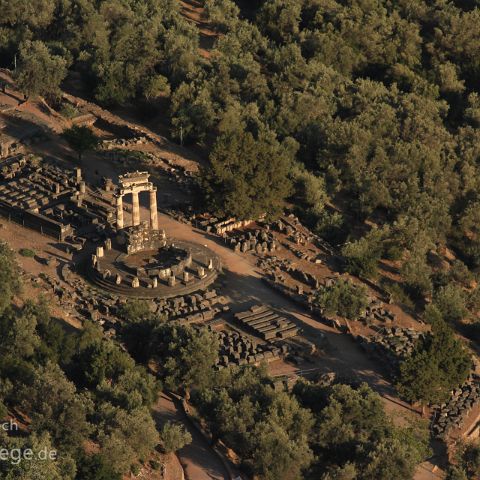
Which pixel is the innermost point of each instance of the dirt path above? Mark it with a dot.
(198, 460)
(193, 11)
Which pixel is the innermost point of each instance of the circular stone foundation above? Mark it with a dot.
(176, 268)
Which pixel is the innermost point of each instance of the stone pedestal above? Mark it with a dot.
(78, 175)
(186, 277)
(171, 281)
(154, 282)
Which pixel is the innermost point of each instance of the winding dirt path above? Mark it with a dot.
(198, 460)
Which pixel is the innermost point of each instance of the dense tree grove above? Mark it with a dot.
(72, 389)
(319, 432)
(353, 438)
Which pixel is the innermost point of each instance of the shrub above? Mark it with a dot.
(344, 298)
(174, 437)
(26, 252)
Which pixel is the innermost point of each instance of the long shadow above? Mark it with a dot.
(21, 128)
(19, 98)
(129, 114)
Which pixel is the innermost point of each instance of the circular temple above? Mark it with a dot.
(173, 269)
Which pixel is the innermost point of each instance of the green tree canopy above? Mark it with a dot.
(186, 355)
(9, 276)
(438, 364)
(81, 139)
(247, 177)
(343, 298)
(39, 72)
(174, 437)
(353, 437)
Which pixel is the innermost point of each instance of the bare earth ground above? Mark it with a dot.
(193, 11)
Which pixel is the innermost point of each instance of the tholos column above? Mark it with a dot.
(135, 209)
(153, 210)
(119, 212)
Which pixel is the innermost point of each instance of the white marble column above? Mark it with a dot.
(153, 210)
(119, 212)
(135, 209)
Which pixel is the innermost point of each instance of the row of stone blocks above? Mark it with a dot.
(266, 323)
(237, 349)
(152, 282)
(451, 414)
(188, 306)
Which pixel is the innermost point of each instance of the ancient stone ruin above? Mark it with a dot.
(451, 414)
(139, 260)
(390, 345)
(134, 183)
(267, 324)
(237, 349)
(50, 199)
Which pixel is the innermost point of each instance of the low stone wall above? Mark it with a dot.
(450, 415)
(237, 349)
(147, 293)
(36, 222)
